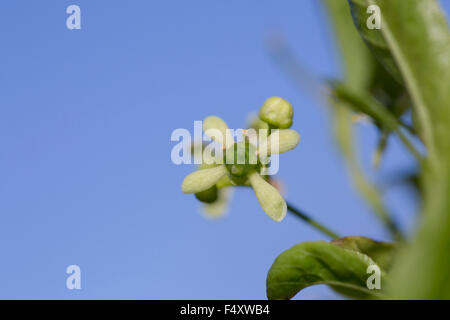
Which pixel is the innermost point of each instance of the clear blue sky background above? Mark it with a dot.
(85, 124)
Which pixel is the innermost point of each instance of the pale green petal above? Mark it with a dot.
(280, 141)
(215, 123)
(218, 208)
(201, 180)
(269, 198)
(225, 181)
(256, 123)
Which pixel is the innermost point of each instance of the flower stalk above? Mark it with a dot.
(312, 222)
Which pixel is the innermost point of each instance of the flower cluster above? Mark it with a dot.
(245, 162)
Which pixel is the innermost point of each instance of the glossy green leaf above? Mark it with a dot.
(313, 263)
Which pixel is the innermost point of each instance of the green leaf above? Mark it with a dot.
(380, 252)
(312, 263)
(366, 104)
(388, 91)
(375, 39)
(417, 36)
(365, 73)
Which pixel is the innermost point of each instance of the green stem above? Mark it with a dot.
(312, 222)
(408, 144)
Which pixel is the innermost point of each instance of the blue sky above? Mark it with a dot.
(85, 123)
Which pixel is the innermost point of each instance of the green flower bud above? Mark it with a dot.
(277, 112)
(208, 196)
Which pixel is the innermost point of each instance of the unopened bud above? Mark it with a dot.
(277, 112)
